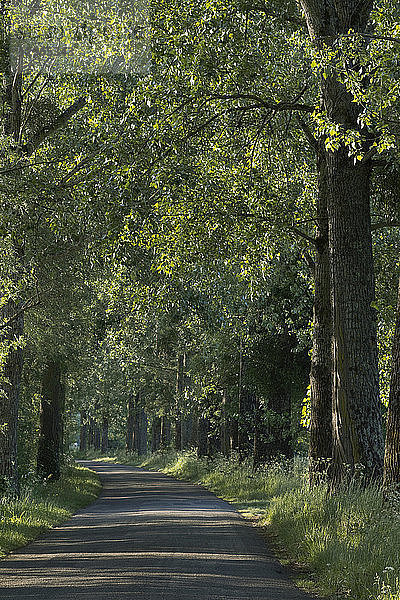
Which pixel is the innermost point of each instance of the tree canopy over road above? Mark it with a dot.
(199, 232)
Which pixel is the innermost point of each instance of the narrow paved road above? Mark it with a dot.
(148, 537)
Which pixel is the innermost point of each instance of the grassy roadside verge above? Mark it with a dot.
(350, 542)
(42, 506)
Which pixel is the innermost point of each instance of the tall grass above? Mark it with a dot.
(350, 541)
(41, 506)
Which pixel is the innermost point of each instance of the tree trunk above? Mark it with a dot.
(233, 434)
(104, 434)
(392, 450)
(202, 437)
(142, 431)
(96, 436)
(187, 432)
(178, 433)
(180, 386)
(11, 312)
(320, 445)
(130, 425)
(83, 432)
(91, 432)
(246, 421)
(357, 426)
(261, 449)
(225, 447)
(51, 422)
(10, 384)
(155, 434)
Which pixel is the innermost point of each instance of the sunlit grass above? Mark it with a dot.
(350, 541)
(42, 506)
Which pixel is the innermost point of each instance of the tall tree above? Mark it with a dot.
(51, 421)
(357, 427)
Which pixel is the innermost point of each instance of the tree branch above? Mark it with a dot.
(384, 224)
(303, 235)
(309, 135)
(276, 106)
(31, 303)
(30, 147)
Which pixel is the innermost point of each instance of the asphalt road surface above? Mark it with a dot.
(148, 537)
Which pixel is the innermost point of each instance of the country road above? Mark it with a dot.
(148, 537)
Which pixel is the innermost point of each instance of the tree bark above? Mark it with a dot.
(392, 450)
(320, 445)
(357, 426)
(51, 422)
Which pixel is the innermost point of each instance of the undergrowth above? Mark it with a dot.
(43, 505)
(350, 541)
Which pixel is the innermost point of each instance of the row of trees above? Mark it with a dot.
(169, 224)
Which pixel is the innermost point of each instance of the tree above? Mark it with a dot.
(51, 421)
(357, 427)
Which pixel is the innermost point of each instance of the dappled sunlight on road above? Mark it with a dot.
(148, 537)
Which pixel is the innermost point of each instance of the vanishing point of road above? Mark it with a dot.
(148, 537)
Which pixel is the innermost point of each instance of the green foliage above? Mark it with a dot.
(41, 506)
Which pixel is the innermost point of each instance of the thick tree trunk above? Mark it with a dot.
(51, 422)
(155, 434)
(130, 425)
(392, 450)
(357, 427)
(320, 446)
(83, 432)
(10, 384)
(202, 437)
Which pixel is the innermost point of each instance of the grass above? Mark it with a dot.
(349, 542)
(41, 506)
